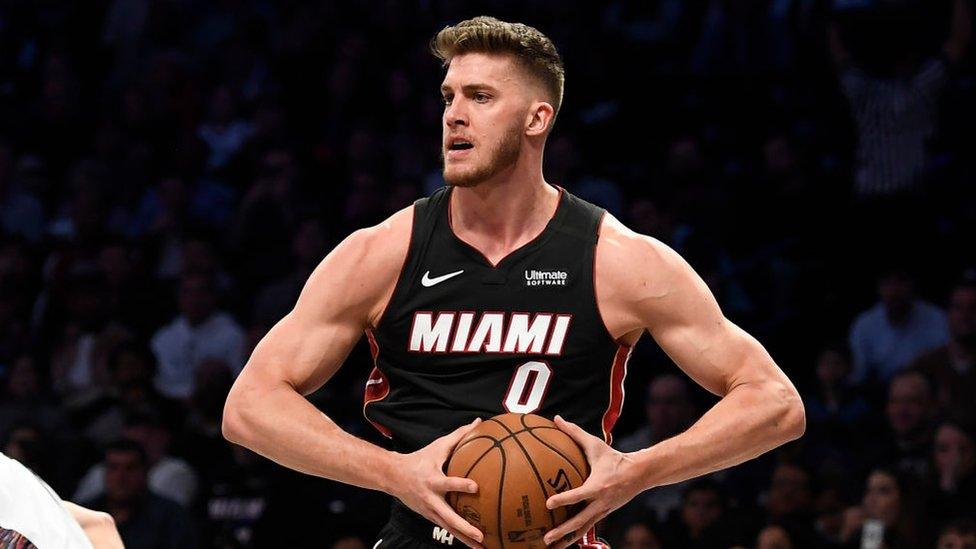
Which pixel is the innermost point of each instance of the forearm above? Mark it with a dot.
(98, 527)
(281, 425)
(750, 420)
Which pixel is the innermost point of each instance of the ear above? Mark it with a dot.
(539, 118)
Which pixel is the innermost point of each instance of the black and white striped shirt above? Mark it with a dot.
(895, 118)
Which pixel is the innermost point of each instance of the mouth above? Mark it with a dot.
(458, 148)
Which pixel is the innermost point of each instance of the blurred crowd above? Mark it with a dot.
(171, 171)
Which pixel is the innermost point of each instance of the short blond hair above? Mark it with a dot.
(533, 50)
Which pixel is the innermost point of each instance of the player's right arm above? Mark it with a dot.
(267, 411)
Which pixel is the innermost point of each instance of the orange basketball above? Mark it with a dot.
(518, 461)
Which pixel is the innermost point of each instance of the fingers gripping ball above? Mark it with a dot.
(518, 461)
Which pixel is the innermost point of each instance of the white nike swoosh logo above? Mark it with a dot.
(427, 281)
(373, 382)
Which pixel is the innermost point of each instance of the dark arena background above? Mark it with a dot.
(171, 171)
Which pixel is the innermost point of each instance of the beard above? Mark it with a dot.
(501, 156)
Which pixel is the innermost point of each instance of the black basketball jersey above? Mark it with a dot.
(462, 338)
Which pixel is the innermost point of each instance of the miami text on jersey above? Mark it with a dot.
(490, 332)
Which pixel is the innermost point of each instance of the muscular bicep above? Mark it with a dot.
(304, 352)
(657, 290)
(688, 324)
(341, 298)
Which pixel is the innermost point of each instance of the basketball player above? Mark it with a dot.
(501, 292)
(33, 516)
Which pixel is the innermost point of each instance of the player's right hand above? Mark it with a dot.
(422, 485)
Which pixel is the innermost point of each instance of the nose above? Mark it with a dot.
(455, 114)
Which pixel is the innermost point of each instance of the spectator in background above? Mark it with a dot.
(21, 213)
(789, 497)
(266, 216)
(24, 397)
(199, 255)
(26, 442)
(958, 534)
(775, 536)
(953, 366)
(131, 368)
(888, 501)
(669, 411)
(910, 412)
(18, 287)
(308, 247)
(225, 133)
(131, 296)
(639, 535)
(167, 475)
(78, 368)
(162, 215)
(830, 515)
(700, 524)
(144, 519)
(886, 338)
(200, 332)
(834, 405)
(237, 499)
(954, 471)
(896, 113)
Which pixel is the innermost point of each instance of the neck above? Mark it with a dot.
(498, 216)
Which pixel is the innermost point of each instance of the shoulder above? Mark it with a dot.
(377, 246)
(169, 466)
(360, 272)
(167, 333)
(929, 311)
(870, 318)
(224, 323)
(640, 281)
(636, 261)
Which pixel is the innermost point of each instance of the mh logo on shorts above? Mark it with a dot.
(443, 536)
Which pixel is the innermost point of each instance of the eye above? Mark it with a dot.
(481, 97)
(446, 99)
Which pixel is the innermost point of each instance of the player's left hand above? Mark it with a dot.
(611, 484)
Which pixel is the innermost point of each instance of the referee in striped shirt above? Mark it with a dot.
(896, 116)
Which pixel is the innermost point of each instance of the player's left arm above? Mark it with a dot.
(644, 284)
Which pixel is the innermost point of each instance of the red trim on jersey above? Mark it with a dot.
(590, 541)
(618, 371)
(596, 297)
(377, 386)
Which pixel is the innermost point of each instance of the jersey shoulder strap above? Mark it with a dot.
(584, 221)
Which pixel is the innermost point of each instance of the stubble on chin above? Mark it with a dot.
(501, 157)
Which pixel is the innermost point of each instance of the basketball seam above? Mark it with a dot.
(498, 441)
(553, 448)
(477, 461)
(528, 459)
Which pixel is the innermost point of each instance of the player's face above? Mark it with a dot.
(485, 104)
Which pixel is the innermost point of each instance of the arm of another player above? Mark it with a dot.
(267, 411)
(98, 527)
(646, 285)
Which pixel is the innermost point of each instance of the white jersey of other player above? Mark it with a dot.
(31, 508)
